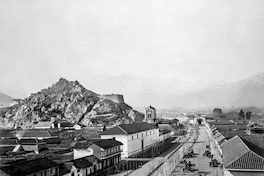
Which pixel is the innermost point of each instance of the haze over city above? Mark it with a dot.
(133, 48)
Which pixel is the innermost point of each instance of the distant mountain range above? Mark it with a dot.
(244, 93)
(71, 101)
(4, 100)
(168, 94)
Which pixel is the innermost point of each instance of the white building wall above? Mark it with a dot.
(120, 138)
(80, 153)
(133, 146)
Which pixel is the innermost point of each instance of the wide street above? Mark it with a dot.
(201, 163)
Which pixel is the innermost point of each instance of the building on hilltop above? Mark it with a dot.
(150, 115)
(135, 137)
(117, 98)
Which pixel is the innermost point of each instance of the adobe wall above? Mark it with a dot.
(114, 97)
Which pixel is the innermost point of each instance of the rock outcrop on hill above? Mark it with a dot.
(71, 101)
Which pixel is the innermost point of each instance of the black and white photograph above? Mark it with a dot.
(132, 87)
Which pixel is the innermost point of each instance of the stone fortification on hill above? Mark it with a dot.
(114, 97)
(68, 100)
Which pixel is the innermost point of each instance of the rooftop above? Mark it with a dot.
(29, 167)
(82, 163)
(33, 134)
(150, 107)
(108, 143)
(126, 129)
(29, 141)
(103, 143)
(7, 134)
(8, 142)
(46, 124)
(241, 154)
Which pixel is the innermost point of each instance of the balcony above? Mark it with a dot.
(111, 153)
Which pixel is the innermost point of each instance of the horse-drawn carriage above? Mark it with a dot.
(208, 154)
(214, 163)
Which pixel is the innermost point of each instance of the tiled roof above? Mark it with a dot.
(254, 148)
(82, 163)
(249, 161)
(92, 159)
(233, 149)
(241, 154)
(64, 123)
(29, 141)
(33, 134)
(43, 124)
(7, 134)
(82, 145)
(165, 131)
(220, 138)
(103, 143)
(63, 151)
(129, 128)
(108, 143)
(5, 149)
(29, 167)
(8, 142)
(55, 140)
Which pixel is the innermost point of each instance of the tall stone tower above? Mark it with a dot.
(150, 114)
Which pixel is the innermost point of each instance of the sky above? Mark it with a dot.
(109, 44)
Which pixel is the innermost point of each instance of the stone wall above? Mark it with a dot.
(114, 97)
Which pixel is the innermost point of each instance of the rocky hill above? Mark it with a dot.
(4, 100)
(71, 101)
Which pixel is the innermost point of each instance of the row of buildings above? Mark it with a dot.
(240, 156)
(38, 154)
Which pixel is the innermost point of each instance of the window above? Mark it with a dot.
(132, 137)
(146, 133)
(137, 135)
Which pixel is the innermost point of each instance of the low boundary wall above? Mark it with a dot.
(164, 166)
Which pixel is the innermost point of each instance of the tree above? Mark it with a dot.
(248, 115)
(241, 114)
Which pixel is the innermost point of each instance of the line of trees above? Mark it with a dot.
(243, 115)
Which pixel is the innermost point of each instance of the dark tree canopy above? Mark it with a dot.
(217, 111)
(248, 115)
(241, 114)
